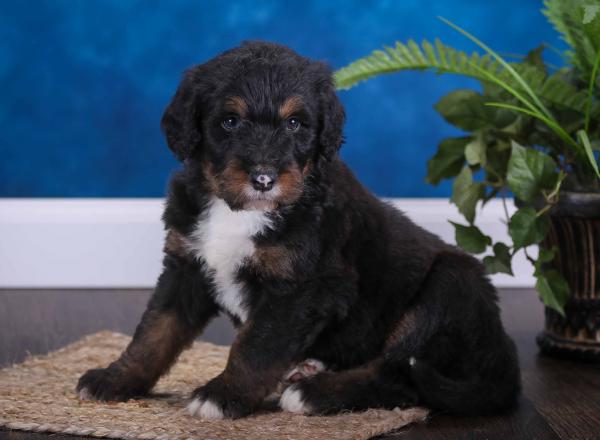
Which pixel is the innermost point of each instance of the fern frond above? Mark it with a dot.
(554, 89)
(560, 93)
(443, 59)
(579, 28)
(557, 90)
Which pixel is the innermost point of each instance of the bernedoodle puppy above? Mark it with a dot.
(334, 292)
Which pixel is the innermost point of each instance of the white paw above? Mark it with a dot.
(306, 368)
(292, 401)
(205, 409)
(412, 361)
(84, 394)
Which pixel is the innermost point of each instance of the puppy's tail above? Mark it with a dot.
(470, 397)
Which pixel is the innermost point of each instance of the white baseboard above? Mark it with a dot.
(117, 243)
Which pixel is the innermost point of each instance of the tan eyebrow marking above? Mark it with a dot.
(290, 106)
(236, 104)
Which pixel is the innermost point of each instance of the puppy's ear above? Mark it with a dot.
(181, 122)
(332, 115)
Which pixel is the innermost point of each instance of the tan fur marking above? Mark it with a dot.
(233, 180)
(291, 106)
(406, 325)
(307, 168)
(291, 182)
(237, 105)
(340, 380)
(175, 244)
(164, 331)
(157, 347)
(229, 184)
(210, 177)
(274, 261)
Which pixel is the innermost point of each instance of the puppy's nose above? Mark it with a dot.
(263, 180)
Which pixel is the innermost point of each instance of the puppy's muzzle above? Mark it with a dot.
(263, 180)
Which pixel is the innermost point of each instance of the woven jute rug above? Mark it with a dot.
(38, 395)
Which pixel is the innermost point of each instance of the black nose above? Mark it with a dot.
(263, 180)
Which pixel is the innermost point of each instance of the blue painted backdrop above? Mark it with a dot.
(83, 83)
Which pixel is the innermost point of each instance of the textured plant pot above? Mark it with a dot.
(575, 231)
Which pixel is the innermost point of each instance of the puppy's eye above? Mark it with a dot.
(230, 123)
(292, 124)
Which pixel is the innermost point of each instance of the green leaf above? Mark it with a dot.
(475, 151)
(534, 57)
(500, 261)
(448, 160)
(526, 227)
(553, 125)
(470, 238)
(497, 156)
(578, 23)
(589, 13)
(590, 96)
(553, 290)
(516, 126)
(510, 69)
(497, 82)
(546, 255)
(466, 109)
(466, 193)
(490, 195)
(438, 57)
(530, 171)
(585, 141)
(559, 91)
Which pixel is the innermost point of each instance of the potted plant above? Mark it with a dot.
(532, 132)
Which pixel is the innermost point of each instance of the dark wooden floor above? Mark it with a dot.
(561, 399)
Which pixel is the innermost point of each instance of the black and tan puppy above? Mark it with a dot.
(331, 288)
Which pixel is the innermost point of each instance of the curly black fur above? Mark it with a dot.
(399, 317)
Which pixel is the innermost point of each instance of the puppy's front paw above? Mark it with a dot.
(108, 384)
(293, 400)
(205, 409)
(218, 399)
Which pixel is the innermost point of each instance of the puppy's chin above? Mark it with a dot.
(260, 201)
(260, 205)
(248, 199)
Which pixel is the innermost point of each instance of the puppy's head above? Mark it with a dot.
(253, 122)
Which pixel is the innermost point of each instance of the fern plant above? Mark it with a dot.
(530, 131)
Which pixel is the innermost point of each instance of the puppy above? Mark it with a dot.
(333, 291)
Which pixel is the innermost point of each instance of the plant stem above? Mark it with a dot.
(552, 198)
(588, 107)
(531, 260)
(543, 210)
(505, 208)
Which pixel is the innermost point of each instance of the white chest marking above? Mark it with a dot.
(223, 239)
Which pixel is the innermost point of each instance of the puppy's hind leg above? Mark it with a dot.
(306, 368)
(370, 386)
(462, 361)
